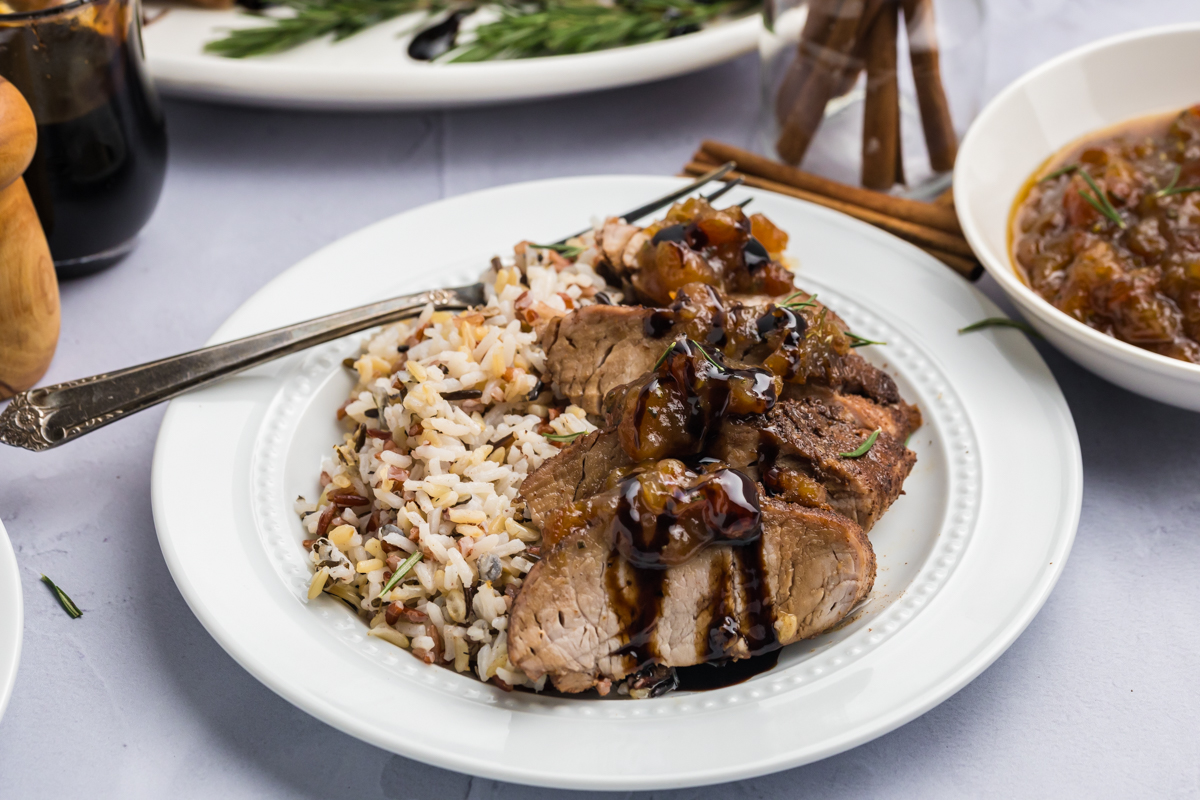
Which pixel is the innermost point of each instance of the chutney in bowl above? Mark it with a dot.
(1029, 131)
(1108, 232)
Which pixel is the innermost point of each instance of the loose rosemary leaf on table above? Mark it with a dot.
(564, 28)
(312, 20)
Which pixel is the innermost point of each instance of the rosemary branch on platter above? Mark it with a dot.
(564, 28)
(314, 19)
(521, 29)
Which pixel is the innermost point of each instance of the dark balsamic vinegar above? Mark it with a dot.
(703, 677)
(101, 155)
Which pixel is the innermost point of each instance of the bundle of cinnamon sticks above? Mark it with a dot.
(931, 226)
(840, 39)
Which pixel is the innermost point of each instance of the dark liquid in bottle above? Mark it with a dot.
(101, 155)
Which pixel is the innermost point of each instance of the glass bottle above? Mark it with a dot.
(871, 92)
(101, 153)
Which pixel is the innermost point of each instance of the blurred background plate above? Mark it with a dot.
(372, 70)
(11, 618)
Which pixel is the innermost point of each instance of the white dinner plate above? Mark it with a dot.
(966, 557)
(11, 618)
(372, 69)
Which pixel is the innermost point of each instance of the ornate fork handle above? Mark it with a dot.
(50, 415)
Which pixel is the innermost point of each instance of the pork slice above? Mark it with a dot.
(802, 441)
(613, 237)
(806, 436)
(580, 470)
(583, 611)
(597, 348)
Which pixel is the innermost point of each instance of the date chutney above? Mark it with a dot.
(1108, 231)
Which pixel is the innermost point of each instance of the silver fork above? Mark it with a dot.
(46, 417)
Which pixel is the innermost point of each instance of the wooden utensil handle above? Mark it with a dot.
(51, 415)
(29, 313)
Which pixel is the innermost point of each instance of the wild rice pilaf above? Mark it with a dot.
(449, 415)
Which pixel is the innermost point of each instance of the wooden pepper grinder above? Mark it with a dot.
(29, 315)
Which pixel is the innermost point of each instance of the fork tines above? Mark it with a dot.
(666, 200)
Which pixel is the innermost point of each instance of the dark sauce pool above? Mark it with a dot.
(705, 677)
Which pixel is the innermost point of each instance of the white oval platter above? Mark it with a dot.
(966, 557)
(372, 70)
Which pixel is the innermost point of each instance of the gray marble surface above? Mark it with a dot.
(1097, 698)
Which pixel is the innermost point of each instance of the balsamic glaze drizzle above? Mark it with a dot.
(647, 545)
(708, 505)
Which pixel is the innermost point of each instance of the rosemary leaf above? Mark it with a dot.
(400, 572)
(711, 360)
(563, 437)
(1100, 201)
(860, 341)
(805, 304)
(68, 605)
(1171, 185)
(1067, 170)
(1000, 322)
(1178, 190)
(787, 301)
(863, 448)
(663, 357)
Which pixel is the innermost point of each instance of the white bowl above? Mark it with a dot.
(1113, 80)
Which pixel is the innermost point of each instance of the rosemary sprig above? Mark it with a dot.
(863, 448)
(312, 20)
(1171, 188)
(1171, 185)
(663, 357)
(860, 341)
(1100, 200)
(809, 303)
(1000, 322)
(564, 250)
(401, 571)
(563, 437)
(566, 27)
(704, 352)
(525, 29)
(68, 605)
(1067, 170)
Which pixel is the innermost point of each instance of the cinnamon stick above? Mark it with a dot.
(927, 214)
(881, 110)
(968, 268)
(918, 234)
(946, 198)
(821, 14)
(940, 138)
(858, 55)
(806, 109)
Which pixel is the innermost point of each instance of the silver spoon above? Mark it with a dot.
(46, 417)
